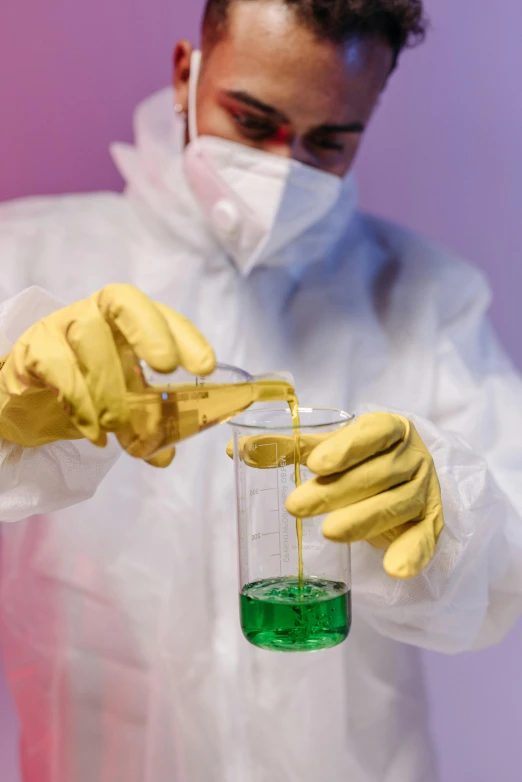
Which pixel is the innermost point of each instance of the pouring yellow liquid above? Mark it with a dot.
(294, 412)
(174, 413)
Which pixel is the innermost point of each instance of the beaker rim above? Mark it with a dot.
(221, 367)
(333, 416)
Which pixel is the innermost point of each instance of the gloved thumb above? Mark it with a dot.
(162, 459)
(264, 451)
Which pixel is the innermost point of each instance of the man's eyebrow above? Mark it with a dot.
(249, 100)
(352, 127)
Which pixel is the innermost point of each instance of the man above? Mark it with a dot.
(119, 615)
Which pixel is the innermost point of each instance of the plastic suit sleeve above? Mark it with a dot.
(40, 480)
(470, 595)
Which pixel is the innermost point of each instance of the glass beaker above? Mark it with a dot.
(279, 610)
(174, 407)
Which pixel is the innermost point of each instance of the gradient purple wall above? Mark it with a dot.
(444, 156)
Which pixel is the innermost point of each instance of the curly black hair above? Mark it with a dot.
(399, 22)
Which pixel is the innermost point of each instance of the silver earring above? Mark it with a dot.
(178, 108)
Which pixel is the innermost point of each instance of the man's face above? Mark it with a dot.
(269, 83)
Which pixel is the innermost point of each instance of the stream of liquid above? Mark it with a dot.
(293, 403)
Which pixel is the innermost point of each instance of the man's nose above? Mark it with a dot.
(290, 146)
(301, 154)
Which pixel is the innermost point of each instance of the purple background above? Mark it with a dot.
(443, 156)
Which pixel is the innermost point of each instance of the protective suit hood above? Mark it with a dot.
(154, 174)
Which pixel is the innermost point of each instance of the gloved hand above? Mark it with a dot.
(67, 376)
(377, 481)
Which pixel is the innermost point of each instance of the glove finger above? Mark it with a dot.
(195, 353)
(148, 431)
(385, 539)
(140, 447)
(413, 551)
(141, 324)
(162, 459)
(367, 436)
(48, 358)
(267, 451)
(372, 477)
(377, 515)
(91, 339)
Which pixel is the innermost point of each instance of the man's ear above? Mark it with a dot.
(181, 77)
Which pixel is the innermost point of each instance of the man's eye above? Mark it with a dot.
(254, 124)
(327, 144)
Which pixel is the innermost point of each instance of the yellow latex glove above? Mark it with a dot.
(377, 481)
(67, 376)
(263, 458)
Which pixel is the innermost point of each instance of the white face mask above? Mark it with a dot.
(255, 202)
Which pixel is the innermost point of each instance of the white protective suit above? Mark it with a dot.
(119, 613)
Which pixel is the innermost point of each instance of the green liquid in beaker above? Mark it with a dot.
(283, 615)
